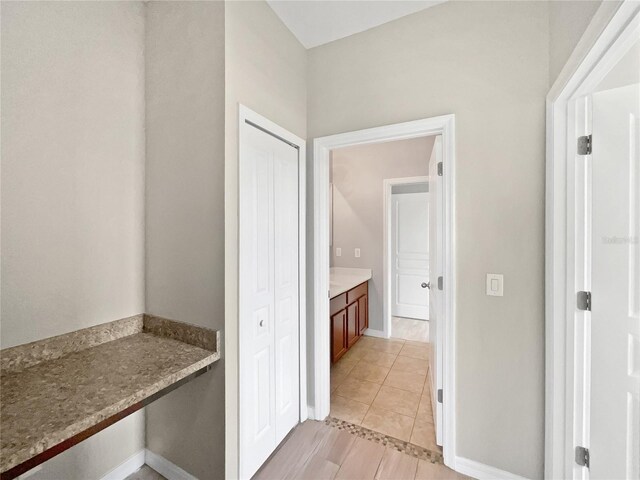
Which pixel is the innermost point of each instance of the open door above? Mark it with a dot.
(607, 305)
(436, 268)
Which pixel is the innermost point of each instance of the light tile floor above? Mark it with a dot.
(382, 385)
(410, 329)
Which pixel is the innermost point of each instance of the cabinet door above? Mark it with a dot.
(338, 335)
(363, 314)
(352, 324)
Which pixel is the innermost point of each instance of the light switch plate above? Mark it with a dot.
(495, 284)
(357, 252)
(338, 252)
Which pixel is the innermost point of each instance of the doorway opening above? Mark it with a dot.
(593, 252)
(406, 257)
(329, 317)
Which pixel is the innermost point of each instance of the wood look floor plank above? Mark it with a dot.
(396, 465)
(336, 446)
(436, 471)
(293, 452)
(318, 468)
(362, 461)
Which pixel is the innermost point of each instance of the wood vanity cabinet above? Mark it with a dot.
(349, 313)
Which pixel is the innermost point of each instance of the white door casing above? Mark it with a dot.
(269, 295)
(442, 125)
(410, 255)
(436, 303)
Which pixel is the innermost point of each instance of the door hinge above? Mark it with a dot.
(329, 294)
(584, 301)
(440, 283)
(585, 145)
(439, 169)
(582, 456)
(439, 395)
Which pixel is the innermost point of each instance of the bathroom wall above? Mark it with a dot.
(488, 63)
(265, 70)
(72, 228)
(358, 205)
(185, 216)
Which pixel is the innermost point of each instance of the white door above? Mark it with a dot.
(268, 312)
(436, 267)
(410, 255)
(615, 285)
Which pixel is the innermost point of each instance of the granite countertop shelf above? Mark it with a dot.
(59, 391)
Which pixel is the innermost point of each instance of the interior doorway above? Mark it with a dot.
(593, 408)
(439, 127)
(406, 262)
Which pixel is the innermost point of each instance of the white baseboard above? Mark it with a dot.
(483, 472)
(374, 333)
(126, 468)
(165, 468)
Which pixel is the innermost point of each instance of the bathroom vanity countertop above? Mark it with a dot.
(343, 279)
(50, 406)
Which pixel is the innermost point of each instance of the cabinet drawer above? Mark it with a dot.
(338, 303)
(356, 292)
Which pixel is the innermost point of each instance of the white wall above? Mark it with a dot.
(72, 186)
(72, 166)
(567, 22)
(185, 216)
(265, 69)
(486, 62)
(358, 205)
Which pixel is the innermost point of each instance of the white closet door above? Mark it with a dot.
(268, 310)
(410, 250)
(286, 289)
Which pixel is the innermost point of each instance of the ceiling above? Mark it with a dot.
(316, 22)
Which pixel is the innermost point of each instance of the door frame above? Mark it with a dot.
(442, 125)
(387, 301)
(603, 43)
(247, 118)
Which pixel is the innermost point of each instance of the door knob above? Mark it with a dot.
(426, 285)
(262, 323)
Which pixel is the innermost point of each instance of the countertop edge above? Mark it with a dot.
(344, 289)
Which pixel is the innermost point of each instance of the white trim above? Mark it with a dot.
(609, 32)
(245, 114)
(387, 187)
(481, 471)
(166, 468)
(126, 468)
(370, 332)
(442, 125)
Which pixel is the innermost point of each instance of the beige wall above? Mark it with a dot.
(185, 216)
(265, 70)
(72, 186)
(486, 62)
(567, 22)
(358, 205)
